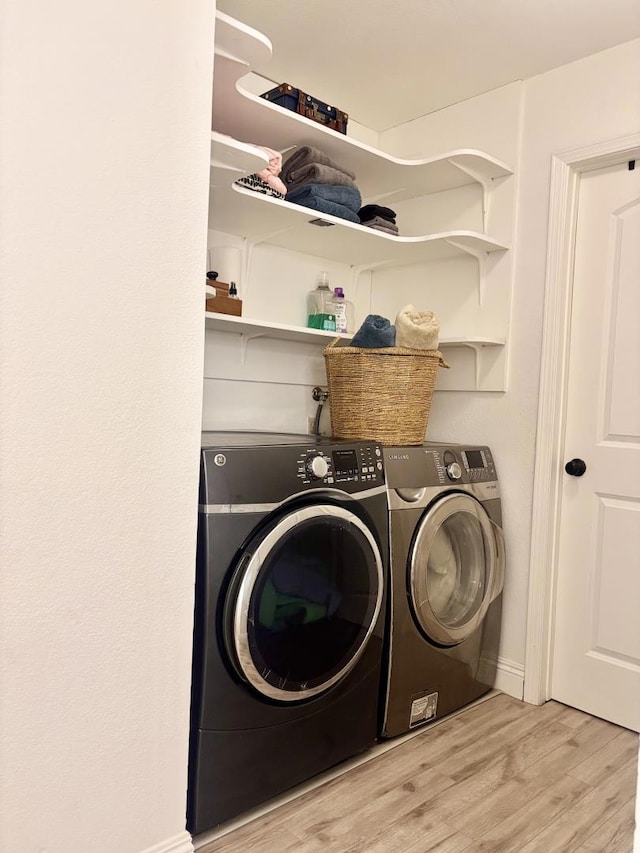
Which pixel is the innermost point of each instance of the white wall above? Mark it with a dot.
(262, 383)
(105, 147)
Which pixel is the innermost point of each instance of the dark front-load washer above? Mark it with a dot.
(289, 616)
(447, 569)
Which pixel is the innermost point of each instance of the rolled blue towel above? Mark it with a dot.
(348, 196)
(376, 331)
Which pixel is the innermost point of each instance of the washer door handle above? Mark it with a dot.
(498, 579)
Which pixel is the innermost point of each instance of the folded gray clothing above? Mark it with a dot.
(393, 231)
(325, 206)
(376, 331)
(378, 220)
(348, 196)
(318, 173)
(305, 155)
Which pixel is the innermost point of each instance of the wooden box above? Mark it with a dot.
(299, 102)
(222, 303)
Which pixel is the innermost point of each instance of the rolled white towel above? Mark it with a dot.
(417, 329)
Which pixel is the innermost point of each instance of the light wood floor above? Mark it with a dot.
(501, 776)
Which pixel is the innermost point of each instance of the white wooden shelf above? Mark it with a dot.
(379, 175)
(262, 328)
(241, 42)
(230, 156)
(473, 342)
(264, 219)
(240, 115)
(250, 329)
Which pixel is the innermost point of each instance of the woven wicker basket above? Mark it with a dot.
(381, 395)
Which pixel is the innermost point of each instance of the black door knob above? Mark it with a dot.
(575, 467)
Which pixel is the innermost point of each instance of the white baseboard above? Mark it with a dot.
(510, 678)
(181, 843)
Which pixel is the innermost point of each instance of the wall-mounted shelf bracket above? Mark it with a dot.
(482, 258)
(247, 255)
(356, 272)
(485, 182)
(478, 347)
(244, 342)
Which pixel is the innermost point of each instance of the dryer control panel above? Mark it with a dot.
(341, 464)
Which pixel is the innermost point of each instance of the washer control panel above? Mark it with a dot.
(246, 468)
(359, 463)
(478, 463)
(461, 464)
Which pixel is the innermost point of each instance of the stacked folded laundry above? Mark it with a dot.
(379, 218)
(266, 181)
(412, 330)
(316, 181)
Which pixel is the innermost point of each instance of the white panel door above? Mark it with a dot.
(596, 650)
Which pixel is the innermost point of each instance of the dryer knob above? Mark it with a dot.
(454, 471)
(317, 467)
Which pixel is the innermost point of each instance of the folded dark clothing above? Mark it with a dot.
(348, 196)
(330, 207)
(378, 220)
(392, 229)
(318, 173)
(305, 155)
(376, 331)
(371, 210)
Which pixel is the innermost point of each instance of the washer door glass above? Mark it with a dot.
(304, 601)
(453, 565)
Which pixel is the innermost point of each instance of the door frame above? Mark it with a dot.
(566, 169)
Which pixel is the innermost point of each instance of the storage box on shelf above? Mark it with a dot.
(290, 98)
(219, 300)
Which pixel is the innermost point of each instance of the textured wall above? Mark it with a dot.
(104, 185)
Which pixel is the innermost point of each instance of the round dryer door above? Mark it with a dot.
(456, 568)
(305, 598)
